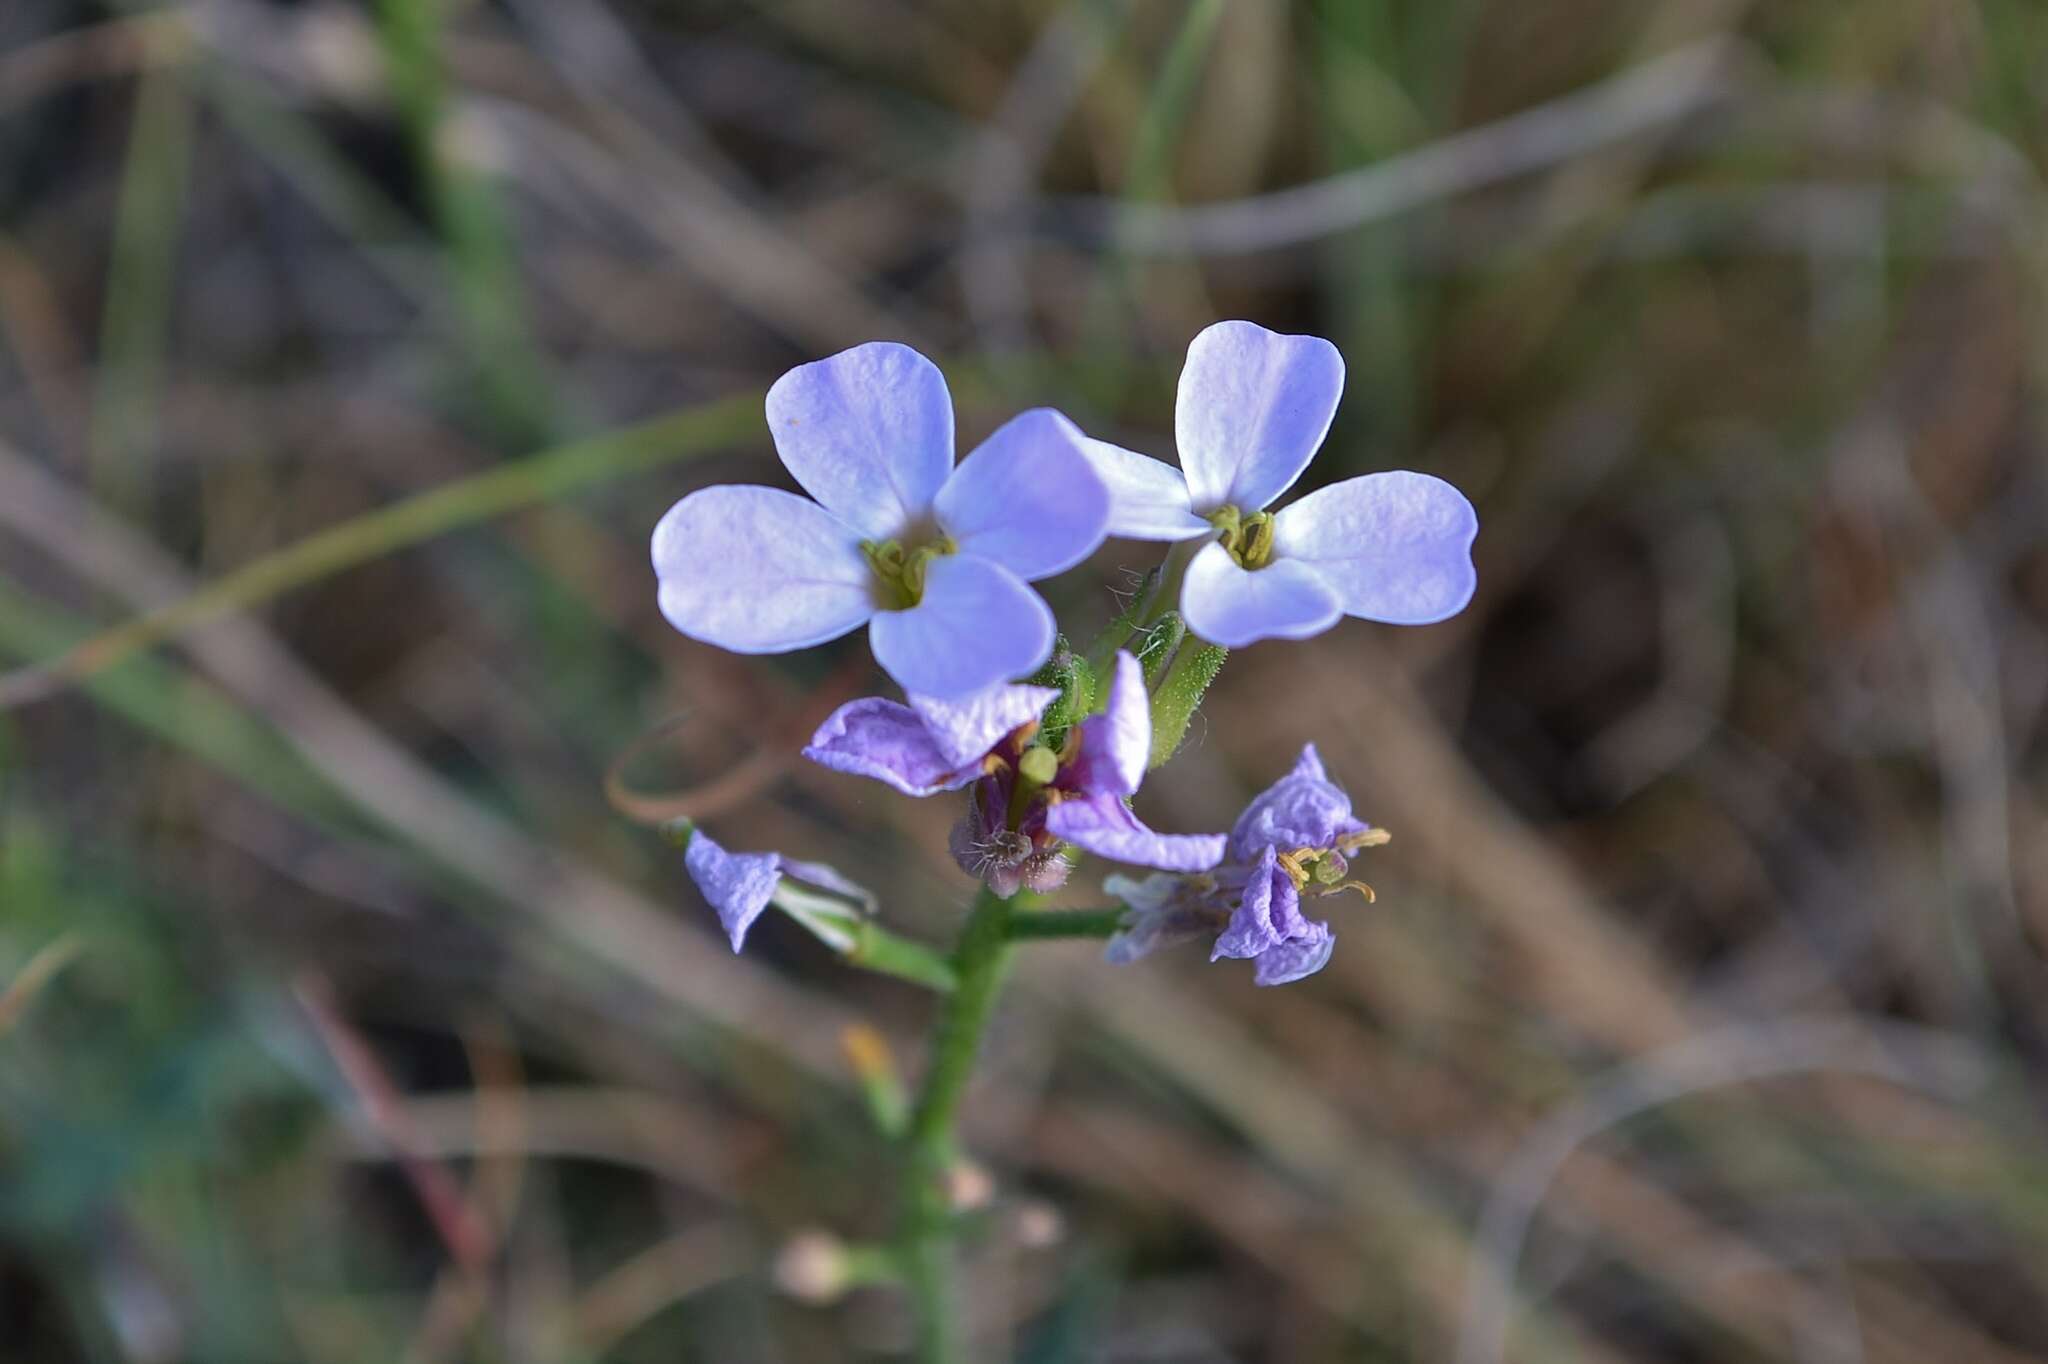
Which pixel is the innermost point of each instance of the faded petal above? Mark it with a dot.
(738, 885)
(1394, 547)
(1309, 764)
(1252, 410)
(1116, 744)
(829, 878)
(1148, 498)
(1027, 497)
(868, 432)
(1293, 959)
(965, 729)
(1251, 928)
(891, 743)
(1298, 811)
(977, 625)
(1105, 826)
(759, 571)
(1232, 606)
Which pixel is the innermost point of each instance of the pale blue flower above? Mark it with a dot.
(1252, 410)
(932, 558)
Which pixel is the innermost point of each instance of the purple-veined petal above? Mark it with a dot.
(1233, 606)
(1252, 410)
(966, 728)
(868, 432)
(1298, 811)
(1116, 745)
(888, 741)
(1104, 826)
(977, 625)
(1291, 960)
(738, 885)
(1394, 547)
(1148, 498)
(760, 571)
(1027, 498)
(1251, 926)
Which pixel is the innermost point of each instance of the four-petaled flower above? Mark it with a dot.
(1295, 839)
(932, 558)
(1253, 408)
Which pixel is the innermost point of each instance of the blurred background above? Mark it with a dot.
(349, 352)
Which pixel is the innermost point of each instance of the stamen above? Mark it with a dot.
(1370, 838)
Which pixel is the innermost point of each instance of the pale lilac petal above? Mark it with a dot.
(1146, 896)
(760, 571)
(1253, 408)
(1027, 498)
(1229, 605)
(878, 738)
(1148, 498)
(1309, 764)
(1251, 928)
(829, 878)
(965, 729)
(1394, 547)
(1116, 745)
(1294, 959)
(868, 432)
(738, 885)
(977, 625)
(1104, 826)
(1298, 811)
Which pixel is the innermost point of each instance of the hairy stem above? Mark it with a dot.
(929, 1228)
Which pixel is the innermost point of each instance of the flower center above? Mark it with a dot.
(1325, 871)
(899, 573)
(1248, 539)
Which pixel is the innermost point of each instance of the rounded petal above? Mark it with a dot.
(1148, 498)
(1252, 410)
(888, 741)
(977, 625)
(1116, 745)
(868, 432)
(1395, 547)
(1289, 961)
(1105, 826)
(760, 571)
(1027, 497)
(966, 728)
(1231, 606)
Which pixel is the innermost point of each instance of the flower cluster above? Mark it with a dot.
(936, 560)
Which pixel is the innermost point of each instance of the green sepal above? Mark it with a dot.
(1180, 693)
(1069, 672)
(1155, 647)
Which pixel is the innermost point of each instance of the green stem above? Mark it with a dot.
(928, 1224)
(1063, 923)
(875, 948)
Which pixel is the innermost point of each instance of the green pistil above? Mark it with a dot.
(1248, 539)
(901, 574)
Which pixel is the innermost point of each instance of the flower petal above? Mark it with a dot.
(1291, 960)
(759, 571)
(967, 728)
(738, 885)
(1105, 826)
(1251, 928)
(1027, 498)
(868, 432)
(977, 625)
(829, 878)
(1252, 410)
(1395, 546)
(1116, 745)
(882, 739)
(1232, 606)
(1309, 764)
(1298, 811)
(1148, 498)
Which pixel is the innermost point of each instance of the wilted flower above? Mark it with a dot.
(741, 885)
(933, 558)
(1295, 839)
(928, 746)
(1252, 410)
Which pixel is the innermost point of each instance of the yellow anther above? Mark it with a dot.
(1370, 838)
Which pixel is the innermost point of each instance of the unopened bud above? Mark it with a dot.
(812, 1267)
